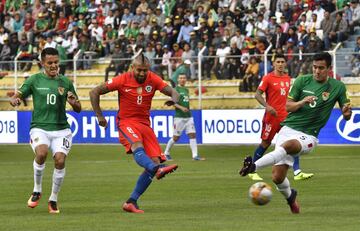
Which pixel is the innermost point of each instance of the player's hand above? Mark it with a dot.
(271, 110)
(169, 103)
(102, 121)
(71, 98)
(184, 109)
(15, 102)
(309, 99)
(346, 111)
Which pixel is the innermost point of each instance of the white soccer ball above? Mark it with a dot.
(260, 193)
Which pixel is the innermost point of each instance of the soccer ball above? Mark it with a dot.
(260, 193)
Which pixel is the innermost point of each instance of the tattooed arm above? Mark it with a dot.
(95, 102)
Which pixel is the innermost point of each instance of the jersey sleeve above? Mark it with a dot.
(159, 83)
(264, 84)
(344, 96)
(25, 88)
(115, 83)
(295, 90)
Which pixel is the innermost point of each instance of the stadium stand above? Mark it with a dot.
(231, 32)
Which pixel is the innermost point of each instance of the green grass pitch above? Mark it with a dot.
(207, 195)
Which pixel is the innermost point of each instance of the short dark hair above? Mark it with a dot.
(279, 56)
(323, 56)
(49, 51)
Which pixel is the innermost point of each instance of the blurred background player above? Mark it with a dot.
(276, 86)
(310, 101)
(49, 126)
(136, 90)
(183, 120)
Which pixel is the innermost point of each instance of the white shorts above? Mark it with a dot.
(181, 124)
(57, 141)
(308, 143)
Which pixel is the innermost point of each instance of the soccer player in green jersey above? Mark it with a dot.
(310, 103)
(49, 126)
(183, 120)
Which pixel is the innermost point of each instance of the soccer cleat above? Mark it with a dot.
(168, 158)
(303, 176)
(249, 166)
(131, 207)
(255, 176)
(34, 199)
(162, 171)
(292, 202)
(198, 158)
(52, 207)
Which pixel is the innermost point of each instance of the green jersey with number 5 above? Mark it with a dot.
(312, 117)
(183, 101)
(49, 100)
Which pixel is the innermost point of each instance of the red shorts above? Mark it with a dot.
(131, 132)
(270, 126)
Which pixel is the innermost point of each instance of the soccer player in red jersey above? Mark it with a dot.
(276, 86)
(136, 89)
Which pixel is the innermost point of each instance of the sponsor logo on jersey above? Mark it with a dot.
(139, 90)
(74, 126)
(42, 88)
(325, 95)
(127, 90)
(349, 130)
(148, 88)
(61, 90)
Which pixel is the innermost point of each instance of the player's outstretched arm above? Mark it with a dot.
(74, 102)
(262, 101)
(15, 100)
(169, 91)
(95, 102)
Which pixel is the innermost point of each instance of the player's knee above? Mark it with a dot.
(176, 138)
(279, 173)
(292, 146)
(59, 160)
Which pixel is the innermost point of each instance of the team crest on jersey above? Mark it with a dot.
(61, 90)
(148, 88)
(287, 84)
(325, 95)
(139, 90)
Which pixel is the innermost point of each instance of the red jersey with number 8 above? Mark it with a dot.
(134, 98)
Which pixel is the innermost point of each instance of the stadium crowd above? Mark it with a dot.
(236, 32)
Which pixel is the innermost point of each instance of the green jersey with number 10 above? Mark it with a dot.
(312, 117)
(183, 101)
(49, 100)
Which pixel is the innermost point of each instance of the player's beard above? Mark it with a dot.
(141, 79)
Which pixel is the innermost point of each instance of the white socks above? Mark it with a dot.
(297, 172)
(271, 158)
(58, 178)
(193, 146)
(169, 145)
(284, 188)
(38, 174)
